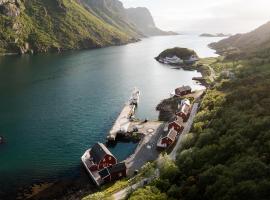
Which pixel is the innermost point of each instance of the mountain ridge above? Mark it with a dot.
(36, 26)
(247, 44)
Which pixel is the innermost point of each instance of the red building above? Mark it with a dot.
(177, 125)
(100, 157)
(184, 112)
(113, 172)
(181, 91)
(168, 139)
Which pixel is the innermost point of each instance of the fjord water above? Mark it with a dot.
(55, 106)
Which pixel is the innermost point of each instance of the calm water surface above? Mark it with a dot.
(53, 107)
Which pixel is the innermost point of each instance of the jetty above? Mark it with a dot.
(125, 117)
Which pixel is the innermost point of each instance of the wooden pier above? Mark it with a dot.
(123, 121)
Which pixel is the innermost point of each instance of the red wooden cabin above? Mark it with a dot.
(184, 112)
(101, 157)
(177, 125)
(168, 139)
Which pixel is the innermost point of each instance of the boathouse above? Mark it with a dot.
(114, 172)
(168, 139)
(100, 157)
(181, 91)
(184, 112)
(177, 124)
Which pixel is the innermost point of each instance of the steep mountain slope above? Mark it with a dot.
(144, 22)
(53, 25)
(246, 44)
(136, 21)
(112, 12)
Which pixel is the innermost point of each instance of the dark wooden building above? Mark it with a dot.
(113, 172)
(181, 91)
(101, 157)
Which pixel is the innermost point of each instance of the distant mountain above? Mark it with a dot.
(136, 21)
(113, 13)
(214, 35)
(56, 25)
(143, 20)
(254, 42)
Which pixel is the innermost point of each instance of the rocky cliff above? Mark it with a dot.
(136, 21)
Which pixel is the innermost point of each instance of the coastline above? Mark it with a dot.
(133, 40)
(70, 188)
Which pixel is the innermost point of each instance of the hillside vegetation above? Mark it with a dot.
(30, 26)
(182, 53)
(49, 25)
(255, 43)
(227, 154)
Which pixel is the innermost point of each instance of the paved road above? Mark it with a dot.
(146, 151)
(143, 153)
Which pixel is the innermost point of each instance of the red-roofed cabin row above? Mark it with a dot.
(175, 128)
(184, 110)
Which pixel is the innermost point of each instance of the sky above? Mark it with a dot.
(210, 16)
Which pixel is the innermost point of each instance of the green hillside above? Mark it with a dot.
(53, 25)
(255, 43)
(227, 154)
(182, 53)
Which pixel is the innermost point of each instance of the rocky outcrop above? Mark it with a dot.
(11, 8)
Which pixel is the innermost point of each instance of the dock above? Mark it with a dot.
(86, 160)
(125, 117)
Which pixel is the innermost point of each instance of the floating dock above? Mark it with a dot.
(123, 121)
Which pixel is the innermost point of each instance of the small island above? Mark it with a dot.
(178, 56)
(214, 35)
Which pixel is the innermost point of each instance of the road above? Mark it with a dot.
(143, 152)
(146, 150)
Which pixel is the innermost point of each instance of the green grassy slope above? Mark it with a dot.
(49, 25)
(254, 43)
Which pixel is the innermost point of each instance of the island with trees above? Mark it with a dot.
(177, 56)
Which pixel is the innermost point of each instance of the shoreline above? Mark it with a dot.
(69, 186)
